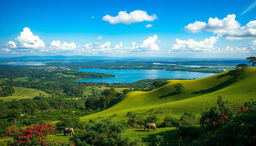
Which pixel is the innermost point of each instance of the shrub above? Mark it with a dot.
(35, 135)
(238, 130)
(187, 119)
(102, 133)
(157, 140)
(216, 116)
(171, 122)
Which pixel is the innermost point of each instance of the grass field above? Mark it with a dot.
(197, 96)
(144, 137)
(24, 93)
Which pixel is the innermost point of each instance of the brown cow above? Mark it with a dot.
(69, 131)
(150, 126)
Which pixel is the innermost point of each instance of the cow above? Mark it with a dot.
(68, 131)
(150, 126)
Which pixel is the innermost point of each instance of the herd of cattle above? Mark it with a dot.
(148, 126)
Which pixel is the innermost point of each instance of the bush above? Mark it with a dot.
(151, 119)
(171, 122)
(238, 130)
(35, 135)
(216, 116)
(187, 119)
(157, 140)
(102, 133)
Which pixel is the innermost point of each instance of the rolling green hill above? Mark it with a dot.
(24, 93)
(196, 96)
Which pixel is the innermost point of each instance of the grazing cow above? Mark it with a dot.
(150, 126)
(69, 131)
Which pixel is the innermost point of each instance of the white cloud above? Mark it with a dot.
(227, 27)
(149, 25)
(196, 26)
(128, 18)
(27, 39)
(191, 44)
(12, 44)
(150, 43)
(56, 44)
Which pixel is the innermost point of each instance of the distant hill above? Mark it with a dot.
(24, 93)
(196, 96)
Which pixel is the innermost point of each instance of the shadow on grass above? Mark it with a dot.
(217, 87)
(169, 94)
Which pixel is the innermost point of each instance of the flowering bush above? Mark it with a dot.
(216, 116)
(35, 135)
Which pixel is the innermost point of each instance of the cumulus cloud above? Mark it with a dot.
(27, 39)
(128, 18)
(56, 44)
(150, 43)
(191, 44)
(227, 27)
(149, 25)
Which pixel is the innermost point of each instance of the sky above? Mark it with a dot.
(128, 28)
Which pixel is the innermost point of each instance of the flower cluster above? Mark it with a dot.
(35, 135)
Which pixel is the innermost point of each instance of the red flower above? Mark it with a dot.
(243, 108)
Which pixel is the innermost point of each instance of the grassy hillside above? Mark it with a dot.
(23, 93)
(196, 96)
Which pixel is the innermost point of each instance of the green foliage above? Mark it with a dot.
(102, 133)
(6, 91)
(238, 130)
(187, 119)
(159, 83)
(151, 119)
(171, 122)
(157, 140)
(69, 122)
(252, 60)
(132, 121)
(241, 66)
(178, 88)
(216, 115)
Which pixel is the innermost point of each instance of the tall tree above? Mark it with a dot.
(252, 60)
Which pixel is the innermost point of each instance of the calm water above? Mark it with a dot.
(133, 75)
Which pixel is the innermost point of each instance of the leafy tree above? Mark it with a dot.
(178, 88)
(241, 66)
(252, 60)
(6, 91)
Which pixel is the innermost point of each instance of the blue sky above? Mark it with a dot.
(73, 27)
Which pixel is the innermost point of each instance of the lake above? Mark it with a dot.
(133, 75)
